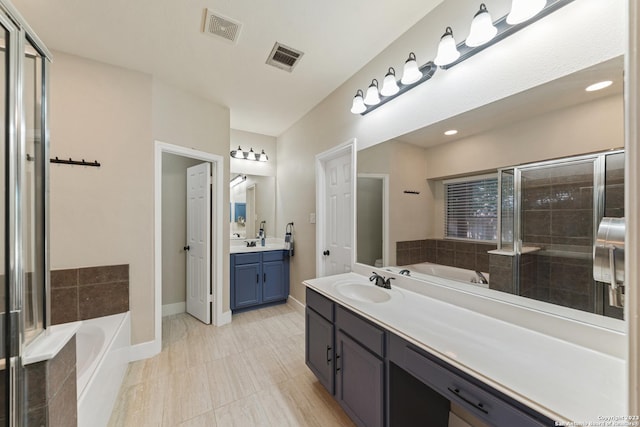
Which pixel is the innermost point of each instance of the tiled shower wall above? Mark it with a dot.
(51, 390)
(467, 255)
(87, 293)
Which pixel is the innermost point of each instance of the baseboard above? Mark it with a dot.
(222, 318)
(175, 308)
(144, 350)
(297, 305)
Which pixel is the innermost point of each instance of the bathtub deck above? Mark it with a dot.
(248, 373)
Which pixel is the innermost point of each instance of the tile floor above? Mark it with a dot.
(250, 372)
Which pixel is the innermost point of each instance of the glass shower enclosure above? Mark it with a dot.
(548, 221)
(24, 159)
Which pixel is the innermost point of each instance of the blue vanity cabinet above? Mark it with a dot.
(346, 353)
(259, 279)
(275, 276)
(479, 399)
(381, 379)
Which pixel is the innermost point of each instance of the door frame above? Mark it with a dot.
(346, 148)
(384, 177)
(218, 316)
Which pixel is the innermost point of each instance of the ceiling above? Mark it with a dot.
(165, 38)
(557, 94)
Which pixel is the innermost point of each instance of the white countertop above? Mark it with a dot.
(237, 249)
(559, 379)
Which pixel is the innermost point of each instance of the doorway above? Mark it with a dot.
(180, 158)
(335, 207)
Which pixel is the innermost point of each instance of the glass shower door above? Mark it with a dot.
(559, 211)
(4, 263)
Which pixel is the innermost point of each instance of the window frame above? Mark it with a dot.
(465, 180)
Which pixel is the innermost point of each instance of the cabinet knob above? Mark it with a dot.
(186, 248)
(326, 253)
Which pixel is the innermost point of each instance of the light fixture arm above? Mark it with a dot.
(504, 30)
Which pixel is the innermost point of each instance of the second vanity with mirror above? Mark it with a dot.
(394, 357)
(259, 274)
(510, 355)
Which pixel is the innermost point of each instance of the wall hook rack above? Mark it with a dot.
(75, 162)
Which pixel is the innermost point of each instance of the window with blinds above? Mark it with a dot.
(471, 208)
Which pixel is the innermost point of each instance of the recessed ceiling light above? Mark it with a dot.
(451, 132)
(599, 85)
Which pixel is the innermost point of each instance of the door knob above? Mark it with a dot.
(186, 248)
(326, 253)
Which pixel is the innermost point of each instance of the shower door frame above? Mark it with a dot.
(19, 34)
(599, 163)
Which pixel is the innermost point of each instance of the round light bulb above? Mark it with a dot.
(358, 106)
(523, 10)
(373, 96)
(389, 84)
(599, 86)
(482, 28)
(411, 72)
(447, 49)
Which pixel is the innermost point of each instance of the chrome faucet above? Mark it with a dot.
(381, 281)
(481, 278)
(405, 272)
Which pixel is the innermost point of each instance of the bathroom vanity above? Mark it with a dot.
(395, 357)
(259, 277)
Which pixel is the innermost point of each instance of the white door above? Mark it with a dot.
(339, 205)
(199, 241)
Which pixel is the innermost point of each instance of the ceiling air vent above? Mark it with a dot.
(284, 57)
(220, 26)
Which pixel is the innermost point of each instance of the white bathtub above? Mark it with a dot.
(102, 356)
(452, 273)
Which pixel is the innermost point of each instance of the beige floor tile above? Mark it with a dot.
(265, 366)
(187, 396)
(248, 373)
(208, 419)
(229, 380)
(246, 412)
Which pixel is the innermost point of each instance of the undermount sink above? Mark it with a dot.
(363, 292)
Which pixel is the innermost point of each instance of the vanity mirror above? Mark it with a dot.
(428, 202)
(252, 201)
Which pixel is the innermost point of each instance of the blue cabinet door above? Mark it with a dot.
(246, 285)
(359, 382)
(319, 354)
(273, 286)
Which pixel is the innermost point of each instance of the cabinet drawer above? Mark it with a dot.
(272, 256)
(251, 258)
(321, 305)
(476, 400)
(367, 334)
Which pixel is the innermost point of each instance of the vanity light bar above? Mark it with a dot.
(504, 30)
(249, 155)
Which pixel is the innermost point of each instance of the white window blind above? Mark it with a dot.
(471, 208)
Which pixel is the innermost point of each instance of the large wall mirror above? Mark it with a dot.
(252, 202)
(508, 205)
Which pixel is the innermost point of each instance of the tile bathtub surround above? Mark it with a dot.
(51, 390)
(90, 292)
(454, 253)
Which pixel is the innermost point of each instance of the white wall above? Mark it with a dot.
(174, 227)
(181, 118)
(579, 35)
(103, 216)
